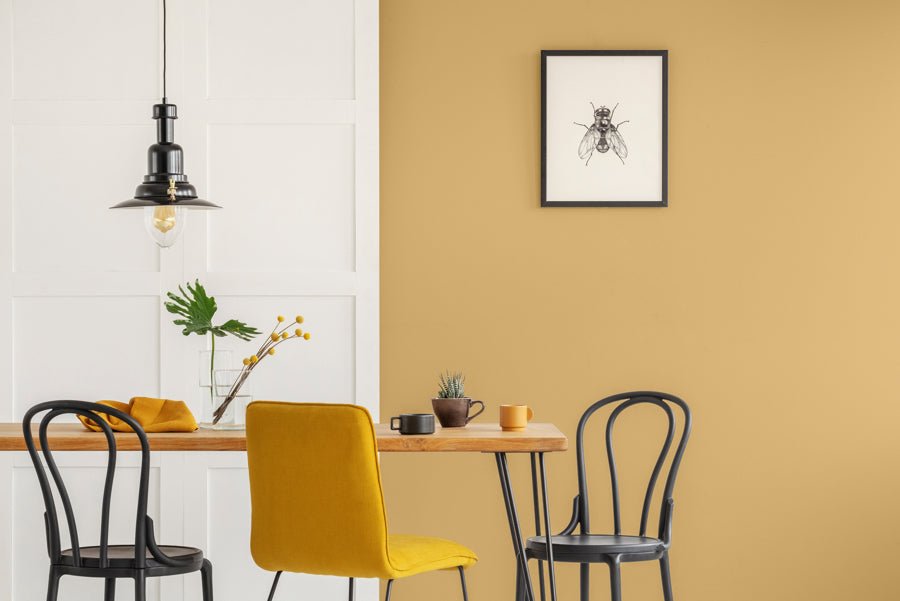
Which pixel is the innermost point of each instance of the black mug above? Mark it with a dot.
(414, 423)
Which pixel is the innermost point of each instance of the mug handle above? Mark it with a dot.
(392, 423)
(530, 414)
(471, 417)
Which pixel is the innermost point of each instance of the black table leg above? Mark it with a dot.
(515, 530)
(551, 568)
(535, 501)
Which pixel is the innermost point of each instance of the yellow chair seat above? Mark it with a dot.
(411, 555)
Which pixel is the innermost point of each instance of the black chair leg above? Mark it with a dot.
(520, 585)
(140, 586)
(206, 575)
(387, 594)
(585, 580)
(462, 580)
(666, 577)
(109, 592)
(352, 590)
(274, 586)
(615, 580)
(52, 585)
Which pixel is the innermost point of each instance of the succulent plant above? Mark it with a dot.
(452, 386)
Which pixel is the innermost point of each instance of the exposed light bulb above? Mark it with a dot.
(164, 223)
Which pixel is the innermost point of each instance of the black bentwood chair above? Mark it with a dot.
(614, 549)
(144, 559)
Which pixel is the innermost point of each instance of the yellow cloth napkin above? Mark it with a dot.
(154, 415)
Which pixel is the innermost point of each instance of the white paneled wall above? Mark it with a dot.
(278, 107)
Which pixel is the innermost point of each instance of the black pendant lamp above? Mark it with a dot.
(166, 193)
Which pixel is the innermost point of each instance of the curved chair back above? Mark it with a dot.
(91, 411)
(664, 402)
(315, 490)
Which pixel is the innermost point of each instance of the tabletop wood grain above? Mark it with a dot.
(474, 438)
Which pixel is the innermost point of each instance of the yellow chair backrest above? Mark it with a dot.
(315, 490)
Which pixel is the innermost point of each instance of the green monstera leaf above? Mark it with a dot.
(196, 310)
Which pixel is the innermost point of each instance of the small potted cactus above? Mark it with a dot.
(451, 405)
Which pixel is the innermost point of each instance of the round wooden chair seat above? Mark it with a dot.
(581, 547)
(122, 556)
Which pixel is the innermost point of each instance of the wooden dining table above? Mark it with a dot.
(536, 440)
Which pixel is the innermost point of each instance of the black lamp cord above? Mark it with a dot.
(165, 51)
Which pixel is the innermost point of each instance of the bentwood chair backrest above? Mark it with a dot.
(621, 402)
(91, 411)
(315, 490)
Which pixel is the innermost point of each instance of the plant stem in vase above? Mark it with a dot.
(212, 369)
(221, 359)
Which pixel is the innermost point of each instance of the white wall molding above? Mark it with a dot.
(278, 117)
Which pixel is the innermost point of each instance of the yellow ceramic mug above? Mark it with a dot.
(514, 418)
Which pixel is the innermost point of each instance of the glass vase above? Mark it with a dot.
(208, 363)
(232, 395)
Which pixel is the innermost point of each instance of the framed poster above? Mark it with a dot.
(604, 121)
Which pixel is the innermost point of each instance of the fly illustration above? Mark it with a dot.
(602, 135)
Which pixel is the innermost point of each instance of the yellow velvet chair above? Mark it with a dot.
(318, 508)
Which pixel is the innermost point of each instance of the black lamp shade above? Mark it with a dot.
(165, 183)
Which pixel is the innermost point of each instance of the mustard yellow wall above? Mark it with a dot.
(766, 295)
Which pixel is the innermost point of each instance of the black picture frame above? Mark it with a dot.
(664, 191)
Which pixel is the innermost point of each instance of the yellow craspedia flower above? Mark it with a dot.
(274, 336)
(306, 336)
(298, 332)
(271, 351)
(254, 359)
(246, 361)
(299, 319)
(281, 318)
(284, 335)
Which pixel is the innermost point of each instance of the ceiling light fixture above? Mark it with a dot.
(166, 193)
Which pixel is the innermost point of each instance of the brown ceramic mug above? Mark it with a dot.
(454, 413)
